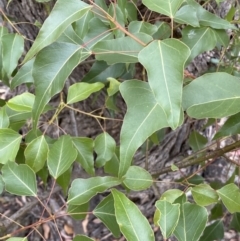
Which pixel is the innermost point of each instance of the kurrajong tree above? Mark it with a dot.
(138, 59)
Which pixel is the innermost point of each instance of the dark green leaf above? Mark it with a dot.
(64, 180)
(78, 212)
(163, 31)
(197, 141)
(214, 231)
(82, 238)
(235, 223)
(2, 185)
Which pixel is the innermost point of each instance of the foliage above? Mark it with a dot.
(112, 33)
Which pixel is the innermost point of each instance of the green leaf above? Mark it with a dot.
(58, 61)
(171, 195)
(24, 75)
(12, 49)
(17, 239)
(81, 91)
(120, 50)
(82, 190)
(61, 156)
(2, 185)
(81, 26)
(214, 231)
(36, 153)
(163, 31)
(84, 148)
(9, 145)
(142, 27)
(144, 117)
(230, 127)
(187, 15)
(64, 180)
(230, 196)
(78, 212)
(22, 103)
(113, 86)
(132, 223)
(106, 213)
(166, 7)
(221, 98)
(63, 14)
(104, 146)
(82, 238)
(19, 179)
(209, 19)
(203, 39)
(169, 216)
(197, 141)
(216, 212)
(4, 119)
(164, 62)
(100, 71)
(235, 223)
(204, 195)
(192, 222)
(112, 166)
(137, 178)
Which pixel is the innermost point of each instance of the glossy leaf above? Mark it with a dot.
(81, 91)
(100, 71)
(230, 127)
(221, 98)
(120, 50)
(164, 62)
(22, 103)
(58, 61)
(137, 178)
(204, 195)
(82, 238)
(62, 15)
(61, 155)
(142, 27)
(197, 141)
(82, 190)
(36, 153)
(24, 75)
(132, 223)
(187, 15)
(169, 216)
(209, 19)
(9, 145)
(171, 195)
(214, 231)
(203, 39)
(105, 211)
(192, 222)
(230, 196)
(104, 146)
(4, 119)
(84, 148)
(166, 7)
(78, 212)
(12, 49)
(144, 117)
(19, 179)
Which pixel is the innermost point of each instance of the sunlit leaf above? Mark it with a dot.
(169, 216)
(9, 145)
(132, 223)
(221, 98)
(36, 153)
(4, 119)
(113, 86)
(58, 61)
(104, 146)
(137, 178)
(105, 211)
(230, 196)
(81, 91)
(164, 62)
(61, 156)
(171, 195)
(192, 222)
(82, 190)
(144, 117)
(84, 147)
(121, 50)
(17, 239)
(22, 103)
(19, 179)
(62, 15)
